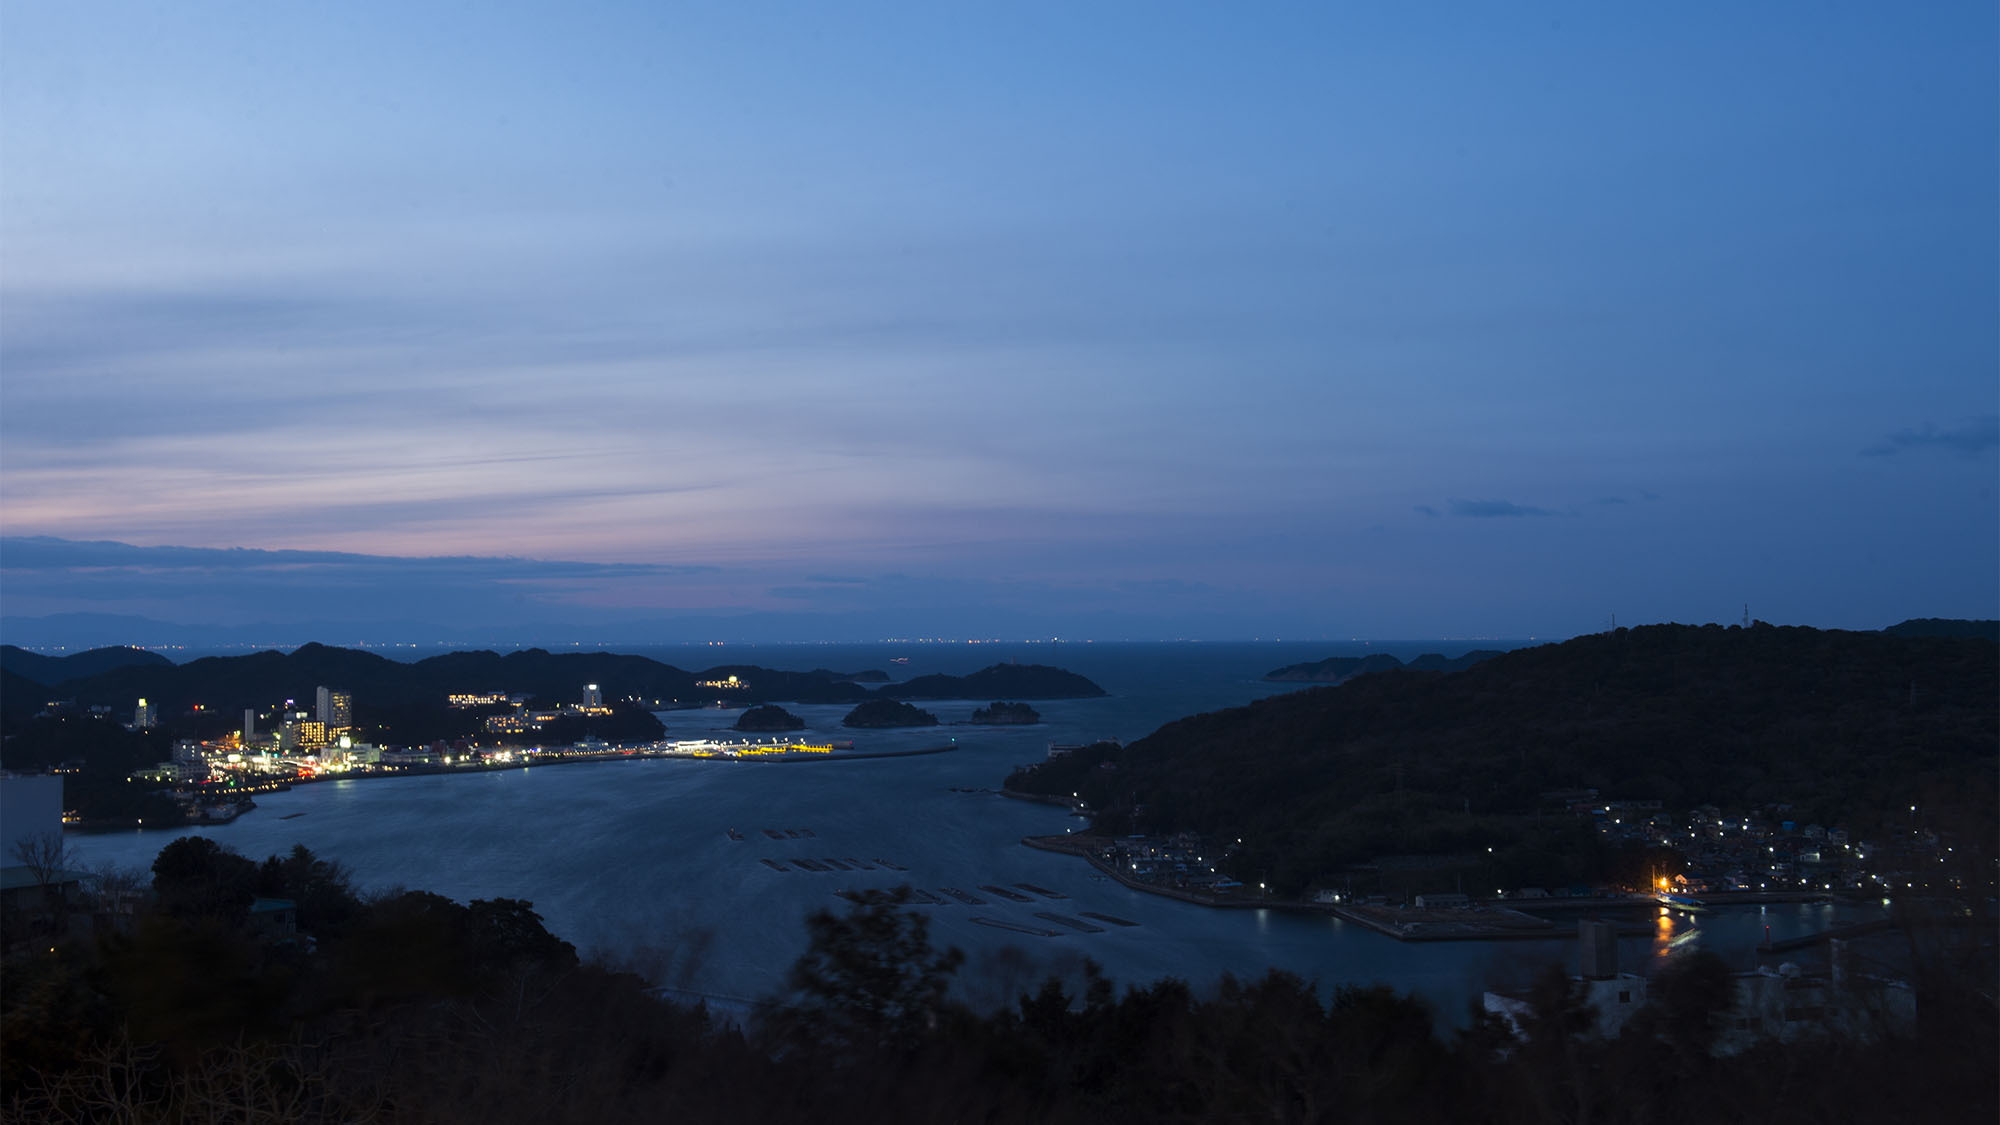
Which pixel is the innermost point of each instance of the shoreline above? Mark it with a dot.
(1485, 922)
(100, 826)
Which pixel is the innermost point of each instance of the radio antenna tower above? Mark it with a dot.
(1746, 615)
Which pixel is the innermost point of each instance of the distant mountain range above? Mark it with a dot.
(1340, 669)
(118, 677)
(49, 670)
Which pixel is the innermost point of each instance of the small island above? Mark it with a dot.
(881, 713)
(1017, 681)
(768, 717)
(1007, 714)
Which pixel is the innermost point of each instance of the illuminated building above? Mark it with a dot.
(336, 708)
(592, 698)
(144, 715)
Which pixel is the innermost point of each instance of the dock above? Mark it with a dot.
(1472, 923)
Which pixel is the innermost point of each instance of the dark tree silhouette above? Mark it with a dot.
(870, 978)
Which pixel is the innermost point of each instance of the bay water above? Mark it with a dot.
(633, 861)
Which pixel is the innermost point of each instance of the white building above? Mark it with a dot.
(1785, 1004)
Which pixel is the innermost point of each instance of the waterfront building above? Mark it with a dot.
(292, 731)
(336, 708)
(249, 725)
(592, 697)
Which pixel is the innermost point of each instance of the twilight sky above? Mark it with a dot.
(1137, 320)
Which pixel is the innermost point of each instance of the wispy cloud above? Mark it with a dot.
(1494, 509)
(39, 552)
(44, 574)
(1426, 510)
(1974, 437)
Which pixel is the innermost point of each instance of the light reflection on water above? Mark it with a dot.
(633, 859)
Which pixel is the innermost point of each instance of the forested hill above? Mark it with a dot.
(1850, 728)
(1000, 681)
(117, 678)
(51, 670)
(1945, 627)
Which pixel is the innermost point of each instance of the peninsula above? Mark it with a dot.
(1752, 760)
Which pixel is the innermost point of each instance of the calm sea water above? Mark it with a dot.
(632, 860)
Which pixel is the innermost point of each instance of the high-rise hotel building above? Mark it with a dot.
(336, 709)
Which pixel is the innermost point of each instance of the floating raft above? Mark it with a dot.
(891, 866)
(862, 864)
(839, 864)
(774, 834)
(874, 896)
(1010, 896)
(1114, 920)
(1042, 891)
(1033, 931)
(775, 865)
(810, 865)
(1077, 924)
(966, 897)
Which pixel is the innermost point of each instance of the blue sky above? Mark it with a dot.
(1178, 319)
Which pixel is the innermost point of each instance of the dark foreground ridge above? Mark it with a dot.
(221, 988)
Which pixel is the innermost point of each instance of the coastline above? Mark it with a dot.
(101, 826)
(1485, 922)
